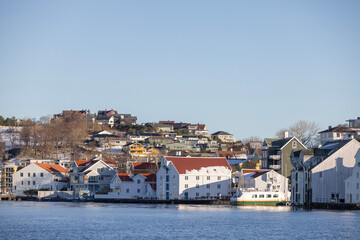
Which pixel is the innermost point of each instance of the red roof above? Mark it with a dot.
(52, 168)
(125, 177)
(183, 164)
(144, 166)
(149, 177)
(81, 162)
(253, 170)
(111, 163)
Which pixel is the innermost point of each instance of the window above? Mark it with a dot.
(186, 177)
(34, 174)
(127, 190)
(197, 186)
(357, 175)
(268, 196)
(41, 174)
(219, 177)
(275, 195)
(167, 178)
(167, 187)
(160, 177)
(254, 196)
(348, 185)
(357, 185)
(33, 182)
(207, 185)
(186, 185)
(197, 178)
(22, 182)
(138, 190)
(15, 187)
(208, 177)
(28, 174)
(160, 185)
(197, 194)
(261, 196)
(138, 181)
(320, 174)
(29, 181)
(174, 186)
(21, 174)
(219, 186)
(294, 144)
(208, 194)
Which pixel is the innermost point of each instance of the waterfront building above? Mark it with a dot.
(6, 174)
(131, 186)
(319, 174)
(352, 183)
(91, 176)
(193, 178)
(40, 176)
(276, 153)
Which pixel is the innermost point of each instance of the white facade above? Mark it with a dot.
(35, 177)
(328, 177)
(204, 182)
(268, 181)
(352, 183)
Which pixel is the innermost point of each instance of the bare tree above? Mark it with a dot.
(305, 131)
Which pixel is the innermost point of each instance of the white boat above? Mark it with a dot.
(256, 197)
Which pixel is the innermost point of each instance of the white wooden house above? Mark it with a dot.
(193, 178)
(40, 176)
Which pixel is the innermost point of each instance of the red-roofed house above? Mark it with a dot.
(193, 178)
(40, 176)
(131, 186)
(143, 167)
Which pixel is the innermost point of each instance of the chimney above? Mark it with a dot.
(286, 134)
(329, 127)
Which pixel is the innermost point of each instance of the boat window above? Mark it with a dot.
(268, 196)
(275, 195)
(261, 196)
(254, 196)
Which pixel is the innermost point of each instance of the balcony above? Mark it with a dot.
(276, 167)
(275, 157)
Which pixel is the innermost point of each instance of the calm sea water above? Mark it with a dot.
(39, 220)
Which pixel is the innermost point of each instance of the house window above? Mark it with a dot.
(219, 186)
(161, 177)
(208, 194)
(28, 182)
(208, 177)
(320, 174)
(174, 186)
(261, 196)
(357, 185)
(167, 187)
(22, 182)
(15, 187)
(197, 186)
(357, 175)
(127, 190)
(197, 178)
(34, 174)
(41, 174)
(294, 144)
(254, 196)
(33, 182)
(138, 190)
(186, 185)
(207, 185)
(138, 181)
(186, 178)
(160, 185)
(167, 178)
(219, 177)
(197, 194)
(21, 174)
(28, 174)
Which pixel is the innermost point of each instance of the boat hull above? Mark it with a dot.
(254, 203)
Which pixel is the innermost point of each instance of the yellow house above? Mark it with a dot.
(137, 149)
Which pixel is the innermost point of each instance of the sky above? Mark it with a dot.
(246, 67)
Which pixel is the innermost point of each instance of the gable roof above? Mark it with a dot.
(52, 168)
(125, 177)
(221, 133)
(143, 166)
(183, 164)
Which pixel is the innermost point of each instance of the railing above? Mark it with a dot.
(275, 157)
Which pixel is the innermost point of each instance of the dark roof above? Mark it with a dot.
(341, 129)
(280, 143)
(221, 133)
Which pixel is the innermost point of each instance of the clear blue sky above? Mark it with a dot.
(246, 67)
